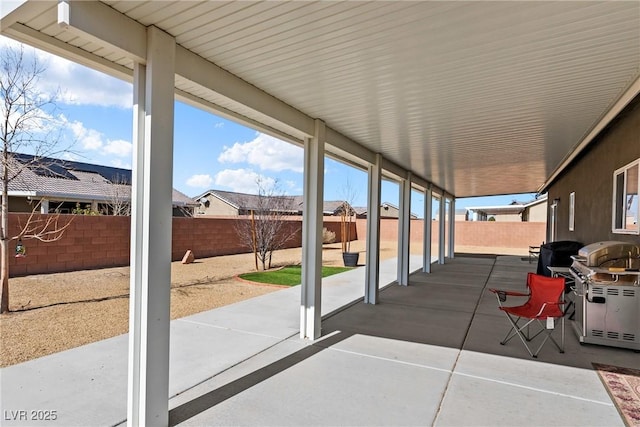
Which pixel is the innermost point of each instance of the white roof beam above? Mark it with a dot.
(236, 117)
(346, 145)
(52, 45)
(390, 168)
(98, 23)
(13, 11)
(209, 75)
(419, 183)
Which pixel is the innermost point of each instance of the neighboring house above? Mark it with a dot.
(461, 215)
(63, 185)
(534, 211)
(228, 203)
(387, 210)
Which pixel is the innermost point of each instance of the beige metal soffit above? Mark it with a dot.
(52, 45)
(616, 108)
(15, 11)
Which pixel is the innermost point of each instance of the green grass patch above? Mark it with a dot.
(287, 276)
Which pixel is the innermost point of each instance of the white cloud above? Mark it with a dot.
(80, 85)
(243, 180)
(218, 125)
(266, 152)
(70, 156)
(200, 181)
(118, 147)
(89, 139)
(118, 163)
(93, 140)
(74, 83)
(7, 42)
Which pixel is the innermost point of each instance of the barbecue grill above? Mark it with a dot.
(607, 287)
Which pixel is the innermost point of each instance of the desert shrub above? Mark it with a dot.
(328, 236)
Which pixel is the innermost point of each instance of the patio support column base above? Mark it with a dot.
(427, 233)
(441, 228)
(404, 225)
(452, 227)
(312, 221)
(372, 272)
(148, 383)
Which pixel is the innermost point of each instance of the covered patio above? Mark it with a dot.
(427, 354)
(452, 99)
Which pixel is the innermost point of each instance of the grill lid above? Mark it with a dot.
(598, 253)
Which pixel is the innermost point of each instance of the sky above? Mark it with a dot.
(94, 113)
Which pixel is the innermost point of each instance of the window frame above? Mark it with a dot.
(615, 199)
(572, 211)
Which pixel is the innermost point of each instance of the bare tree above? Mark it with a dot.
(27, 124)
(266, 230)
(119, 203)
(349, 193)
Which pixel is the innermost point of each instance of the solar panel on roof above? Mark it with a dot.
(43, 166)
(55, 168)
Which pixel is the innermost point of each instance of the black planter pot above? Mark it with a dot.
(350, 259)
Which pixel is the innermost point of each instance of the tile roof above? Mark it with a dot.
(48, 177)
(244, 201)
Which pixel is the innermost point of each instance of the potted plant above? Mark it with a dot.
(349, 258)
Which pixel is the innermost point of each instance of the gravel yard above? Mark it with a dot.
(56, 312)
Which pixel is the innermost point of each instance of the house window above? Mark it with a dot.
(553, 222)
(572, 211)
(625, 199)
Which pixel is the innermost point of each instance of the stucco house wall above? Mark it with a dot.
(388, 211)
(591, 177)
(216, 207)
(537, 213)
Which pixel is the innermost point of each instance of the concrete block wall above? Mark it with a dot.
(103, 241)
(89, 242)
(469, 233)
(92, 242)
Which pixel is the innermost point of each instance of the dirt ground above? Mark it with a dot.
(56, 312)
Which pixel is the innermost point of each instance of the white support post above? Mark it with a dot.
(404, 224)
(148, 385)
(452, 227)
(310, 306)
(441, 229)
(372, 272)
(426, 241)
(44, 206)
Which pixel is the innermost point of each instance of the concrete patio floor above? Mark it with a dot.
(428, 354)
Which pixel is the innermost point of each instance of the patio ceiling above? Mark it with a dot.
(478, 98)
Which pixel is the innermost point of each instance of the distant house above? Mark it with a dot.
(387, 210)
(229, 203)
(534, 211)
(63, 186)
(461, 215)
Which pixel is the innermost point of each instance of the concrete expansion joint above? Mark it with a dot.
(280, 341)
(386, 359)
(536, 389)
(208, 325)
(464, 341)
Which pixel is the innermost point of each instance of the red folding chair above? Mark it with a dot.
(544, 307)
